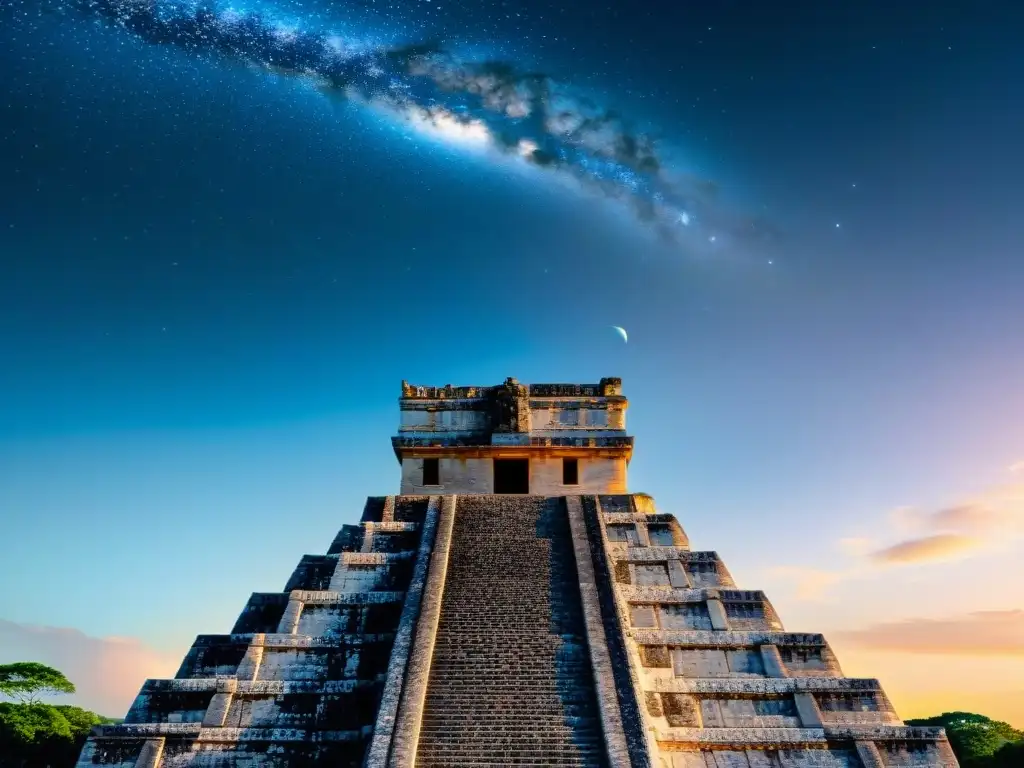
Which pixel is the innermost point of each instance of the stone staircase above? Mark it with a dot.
(510, 679)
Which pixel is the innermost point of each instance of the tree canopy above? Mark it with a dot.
(977, 740)
(27, 681)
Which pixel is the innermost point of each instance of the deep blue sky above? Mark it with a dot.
(213, 279)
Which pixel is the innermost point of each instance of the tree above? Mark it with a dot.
(27, 681)
(30, 723)
(1009, 756)
(974, 738)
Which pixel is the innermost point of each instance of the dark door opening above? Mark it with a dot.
(511, 475)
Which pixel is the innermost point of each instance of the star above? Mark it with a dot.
(684, 219)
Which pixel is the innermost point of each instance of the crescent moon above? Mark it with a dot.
(622, 332)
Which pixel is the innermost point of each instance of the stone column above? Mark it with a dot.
(868, 753)
(249, 666)
(289, 623)
(807, 709)
(677, 575)
(643, 538)
(772, 660)
(217, 711)
(719, 619)
(151, 753)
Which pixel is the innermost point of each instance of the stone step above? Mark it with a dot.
(510, 681)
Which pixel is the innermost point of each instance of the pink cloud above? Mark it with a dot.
(937, 547)
(108, 671)
(965, 517)
(983, 633)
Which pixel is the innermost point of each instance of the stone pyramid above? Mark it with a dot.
(514, 606)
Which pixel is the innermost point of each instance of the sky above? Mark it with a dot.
(227, 234)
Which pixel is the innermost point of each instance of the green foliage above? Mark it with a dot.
(1009, 756)
(977, 741)
(29, 723)
(27, 681)
(43, 735)
(35, 734)
(80, 721)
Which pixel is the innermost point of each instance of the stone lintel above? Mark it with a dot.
(741, 737)
(414, 689)
(391, 526)
(147, 730)
(254, 687)
(787, 737)
(196, 732)
(656, 593)
(604, 682)
(532, 451)
(665, 554)
(214, 735)
(592, 402)
(282, 641)
(772, 660)
(383, 732)
(346, 598)
(374, 558)
(886, 732)
(622, 518)
(767, 686)
(702, 638)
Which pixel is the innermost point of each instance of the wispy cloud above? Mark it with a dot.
(974, 634)
(993, 517)
(914, 537)
(108, 671)
(941, 546)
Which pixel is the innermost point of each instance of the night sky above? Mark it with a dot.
(228, 232)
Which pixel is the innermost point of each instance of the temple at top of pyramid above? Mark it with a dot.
(513, 607)
(541, 439)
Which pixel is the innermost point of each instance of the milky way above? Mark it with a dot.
(529, 116)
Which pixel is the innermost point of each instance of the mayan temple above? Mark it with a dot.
(513, 606)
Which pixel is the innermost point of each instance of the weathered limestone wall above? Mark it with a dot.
(457, 475)
(451, 416)
(596, 475)
(463, 475)
(722, 684)
(513, 631)
(301, 678)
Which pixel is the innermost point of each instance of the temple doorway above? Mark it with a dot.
(511, 475)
